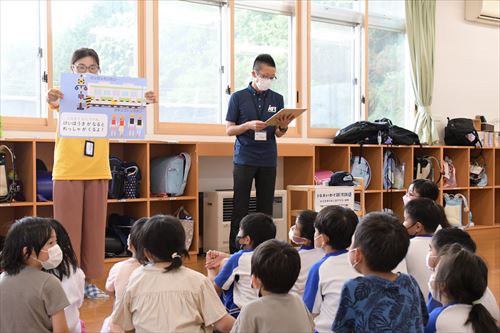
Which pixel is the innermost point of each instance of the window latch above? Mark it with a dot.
(45, 77)
(363, 99)
(228, 90)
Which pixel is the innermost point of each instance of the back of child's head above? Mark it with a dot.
(305, 224)
(259, 227)
(24, 236)
(338, 224)
(425, 188)
(462, 277)
(69, 262)
(426, 212)
(449, 236)
(383, 240)
(135, 232)
(277, 265)
(163, 238)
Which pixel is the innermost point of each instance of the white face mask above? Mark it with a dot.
(427, 261)
(432, 289)
(318, 245)
(406, 199)
(353, 265)
(296, 239)
(263, 84)
(55, 257)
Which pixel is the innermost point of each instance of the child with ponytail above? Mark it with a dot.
(461, 280)
(163, 295)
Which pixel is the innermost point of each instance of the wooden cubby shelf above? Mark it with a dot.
(300, 161)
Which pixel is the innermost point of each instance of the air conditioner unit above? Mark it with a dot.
(217, 211)
(483, 11)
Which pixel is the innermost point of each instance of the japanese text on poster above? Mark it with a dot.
(333, 195)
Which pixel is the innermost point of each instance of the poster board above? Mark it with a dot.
(283, 113)
(96, 106)
(333, 195)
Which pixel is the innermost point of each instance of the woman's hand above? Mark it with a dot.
(54, 95)
(150, 97)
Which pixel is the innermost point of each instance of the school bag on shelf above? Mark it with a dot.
(9, 186)
(187, 223)
(125, 179)
(394, 171)
(44, 185)
(457, 210)
(360, 168)
(169, 174)
(449, 173)
(424, 167)
(322, 176)
(477, 172)
(461, 132)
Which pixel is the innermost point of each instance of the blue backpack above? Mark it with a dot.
(169, 174)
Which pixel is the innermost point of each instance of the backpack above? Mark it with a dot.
(477, 172)
(44, 185)
(363, 132)
(455, 212)
(394, 171)
(424, 168)
(460, 132)
(132, 180)
(360, 168)
(9, 187)
(449, 173)
(169, 174)
(125, 179)
(399, 135)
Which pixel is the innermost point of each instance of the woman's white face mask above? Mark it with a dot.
(55, 257)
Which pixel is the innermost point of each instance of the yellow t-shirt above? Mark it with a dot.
(70, 162)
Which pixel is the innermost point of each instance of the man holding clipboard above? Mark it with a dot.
(255, 150)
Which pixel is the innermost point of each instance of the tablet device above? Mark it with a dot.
(283, 113)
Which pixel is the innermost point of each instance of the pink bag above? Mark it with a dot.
(449, 173)
(322, 176)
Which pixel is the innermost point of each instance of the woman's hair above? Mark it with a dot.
(69, 262)
(428, 213)
(31, 233)
(82, 53)
(463, 277)
(305, 221)
(426, 188)
(164, 238)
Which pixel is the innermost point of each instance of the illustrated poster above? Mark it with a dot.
(96, 106)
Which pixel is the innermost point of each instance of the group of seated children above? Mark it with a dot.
(346, 276)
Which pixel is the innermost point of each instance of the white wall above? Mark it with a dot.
(466, 68)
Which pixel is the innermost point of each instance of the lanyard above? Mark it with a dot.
(259, 113)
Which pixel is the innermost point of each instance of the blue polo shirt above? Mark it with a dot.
(247, 105)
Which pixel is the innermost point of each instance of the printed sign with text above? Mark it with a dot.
(333, 195)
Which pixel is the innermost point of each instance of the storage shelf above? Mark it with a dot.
(16, 204)
(110, 201)
(185, 197)
(475, 188)
(455, 188)
(45, 203)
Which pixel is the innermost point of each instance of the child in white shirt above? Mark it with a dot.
(302, 233)
(163, 295)
(120, 272)
(422, 217)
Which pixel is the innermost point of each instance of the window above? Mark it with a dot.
(335, 64)
(190, 65)
(389, 85)
(20, 59)
(259, 31)
(108, 27)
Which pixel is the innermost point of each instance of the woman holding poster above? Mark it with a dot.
(81, 174)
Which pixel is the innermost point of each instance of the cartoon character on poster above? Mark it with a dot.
(139, 125)
(113, 125)
(81, 87)
(131, 125)
(121, 128)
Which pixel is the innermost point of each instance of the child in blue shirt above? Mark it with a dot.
(233, 281)
(380, 301)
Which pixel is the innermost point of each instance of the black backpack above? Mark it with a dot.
(460, 132)
(363, 132)
(399, 135)
(117, 182)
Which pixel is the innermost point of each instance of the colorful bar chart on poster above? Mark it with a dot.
(96, 106)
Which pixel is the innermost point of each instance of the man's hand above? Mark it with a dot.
(214, 259)
(54, 95)
(150, 97)
(283, 121)
(255, 125)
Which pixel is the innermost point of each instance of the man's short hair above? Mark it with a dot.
(277, 265)
(338, 223)
(263, 59)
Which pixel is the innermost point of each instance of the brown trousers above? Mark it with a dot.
(80, 206)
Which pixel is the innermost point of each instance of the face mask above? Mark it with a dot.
(316, 244)
(353, 265)
(428, 260)
(296, 239)
(55, 257)
(431, 284)
(128, 242)
(237, 242)
(406, 199)
(411, 236)
(263, 84)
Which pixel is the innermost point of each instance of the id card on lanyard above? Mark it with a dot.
(260, 135)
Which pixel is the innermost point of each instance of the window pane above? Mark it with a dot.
(20, 78)
(334, 4)
(189, 62)
(108, 27)
(387, 76)
(332, 75)
(257, 32)
(387, 8)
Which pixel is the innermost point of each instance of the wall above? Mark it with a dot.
(466, 68)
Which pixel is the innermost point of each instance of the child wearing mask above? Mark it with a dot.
(302, 233)
(334, 226)
(120, 272)
(163, 295)
(422, 217)
(31, 300)
(275, 267)
(440, 240)
(380, 300)
(72, 278)
(421, 188)
(461, 280)
(232, 282)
